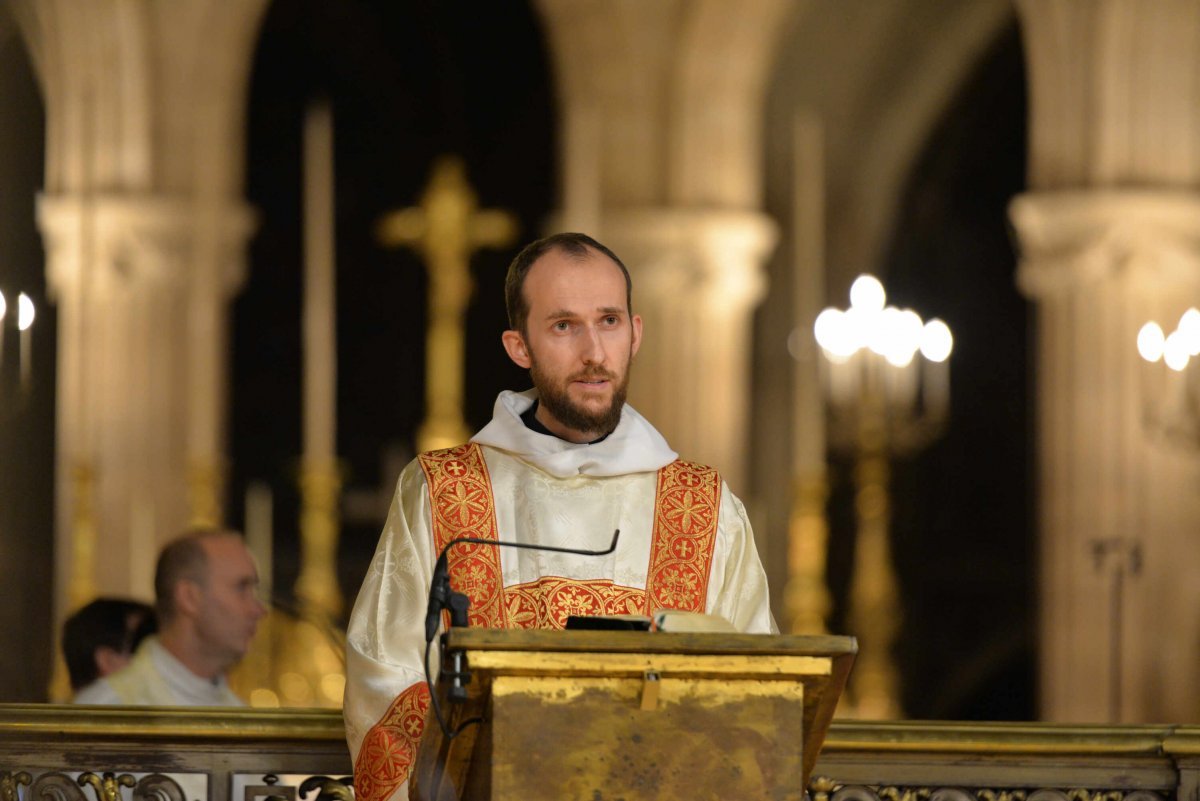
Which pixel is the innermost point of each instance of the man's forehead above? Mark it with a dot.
(595, 277)
(222, 543)
(228, 552)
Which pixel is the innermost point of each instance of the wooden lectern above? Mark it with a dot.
(606, 715)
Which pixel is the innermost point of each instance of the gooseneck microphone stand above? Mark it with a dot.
(443, 597)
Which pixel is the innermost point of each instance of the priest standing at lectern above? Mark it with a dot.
(563, 464)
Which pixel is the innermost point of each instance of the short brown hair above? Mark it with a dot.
(576, 246)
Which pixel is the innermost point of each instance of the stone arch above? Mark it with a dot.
(724, 64)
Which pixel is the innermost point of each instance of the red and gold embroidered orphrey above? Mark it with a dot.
(686, 508)
(549, 601)
(387, 752)
(460, 492)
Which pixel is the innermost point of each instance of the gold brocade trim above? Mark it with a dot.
(547, 602)
(460, 492)
(686, 508)
(390, 747)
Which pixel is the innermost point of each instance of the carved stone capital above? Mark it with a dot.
(1071, 239)
(116, 242)
(709, 255)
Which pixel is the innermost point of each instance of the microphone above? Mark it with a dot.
(442, 596)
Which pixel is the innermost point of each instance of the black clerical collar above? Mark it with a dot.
(529, 418)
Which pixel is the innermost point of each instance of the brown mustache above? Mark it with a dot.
(593, 375)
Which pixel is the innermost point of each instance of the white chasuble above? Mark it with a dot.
(685, 544)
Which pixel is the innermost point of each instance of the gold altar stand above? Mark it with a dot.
(632, 715)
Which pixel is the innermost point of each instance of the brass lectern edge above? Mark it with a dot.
(717, 665)
(650, 642)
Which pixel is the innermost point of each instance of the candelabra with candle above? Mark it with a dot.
(883, 400)
(16, 392)
(1170, 380)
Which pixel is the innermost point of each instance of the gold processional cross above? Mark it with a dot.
(445, 229)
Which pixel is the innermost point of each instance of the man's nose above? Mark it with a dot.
(593, 347)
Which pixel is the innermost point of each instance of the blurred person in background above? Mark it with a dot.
(101, 637)
(206, 598)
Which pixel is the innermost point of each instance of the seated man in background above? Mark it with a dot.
(101, 637)
(205, 588)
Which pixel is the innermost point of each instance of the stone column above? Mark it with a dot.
(662, 110)
(1109, 235)
(698, 277)
(145, 231)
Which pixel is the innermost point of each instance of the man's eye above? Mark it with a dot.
(561, 325)
(611, 319)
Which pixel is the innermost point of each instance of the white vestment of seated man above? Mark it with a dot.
(154, 677)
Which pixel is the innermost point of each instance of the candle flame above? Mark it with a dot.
(25, 312)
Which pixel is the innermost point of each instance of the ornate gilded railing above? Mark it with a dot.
(56, 753)
(937, 761)
(64, 753)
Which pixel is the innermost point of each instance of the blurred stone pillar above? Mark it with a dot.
(698, 279)
(1109, 234)
(662, 109)
(145, 231)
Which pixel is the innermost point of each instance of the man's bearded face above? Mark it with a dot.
(577, 343)
(554, 395)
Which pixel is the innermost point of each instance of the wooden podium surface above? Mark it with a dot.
(633, 715)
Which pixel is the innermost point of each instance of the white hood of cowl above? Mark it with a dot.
(634, 446)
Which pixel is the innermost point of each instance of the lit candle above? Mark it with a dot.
(936, 387)
(808, 293)
(25, 315)
(320, 356)
(259, 532)
(142, 547)
(3, 311)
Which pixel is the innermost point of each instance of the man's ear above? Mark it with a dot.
(636, 320)
(108, 659)
(187, 596)
(515, 347)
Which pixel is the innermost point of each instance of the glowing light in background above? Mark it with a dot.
(25, 312)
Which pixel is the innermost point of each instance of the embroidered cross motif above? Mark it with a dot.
(389, 748)
(465, 504)
(461, 492)
(685, 531)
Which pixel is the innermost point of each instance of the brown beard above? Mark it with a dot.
(560, 406)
